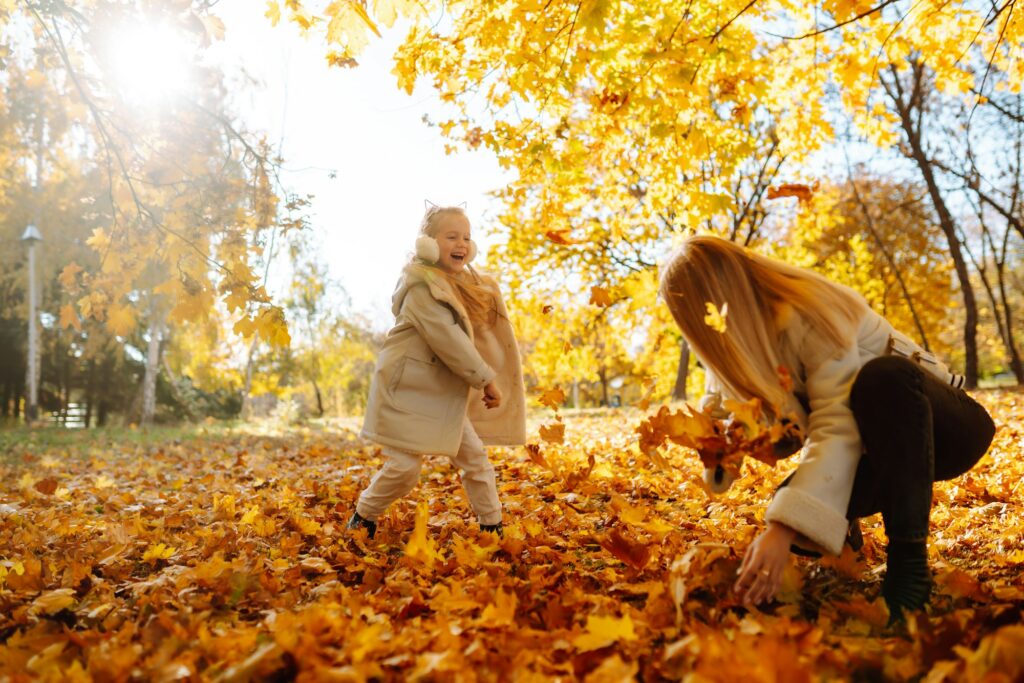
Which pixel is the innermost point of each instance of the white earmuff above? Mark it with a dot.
(472, 251)
(427, 249)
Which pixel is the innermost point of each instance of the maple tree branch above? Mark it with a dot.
(837, 25)
(870, 224)
(721, 29)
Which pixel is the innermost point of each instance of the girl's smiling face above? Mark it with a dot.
(454, 240)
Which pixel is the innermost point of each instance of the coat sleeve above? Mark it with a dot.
(445, 337)
(815, 501)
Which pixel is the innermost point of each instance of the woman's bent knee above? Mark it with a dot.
(884, 379)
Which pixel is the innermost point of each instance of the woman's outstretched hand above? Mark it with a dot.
(760, 575)
(492, 396)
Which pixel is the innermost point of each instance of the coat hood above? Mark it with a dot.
(415, 273)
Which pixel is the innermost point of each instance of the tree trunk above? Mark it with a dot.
(156, 330)
(246, 399)
(1011, 344)
(906, 109)
(319, 400)
(90, 392)
(682, 372)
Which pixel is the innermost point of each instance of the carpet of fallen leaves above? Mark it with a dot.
(226, 558)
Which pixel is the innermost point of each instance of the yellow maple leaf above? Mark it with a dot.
(715, 319)
(120, 320)
(273, 12)
(306, 526)
(420, 546)
(69, 318)
(250, 515)
(225, 505)
(552, 398)
(553, 433)
(69, 277)
(501, 612)
(271, 327)
(93, 305)
(747, 413)
(158, 551)
(99, 240)
(603, 631)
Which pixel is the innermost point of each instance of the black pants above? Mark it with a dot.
(916, 430)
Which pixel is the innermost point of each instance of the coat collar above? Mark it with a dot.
(415, 273)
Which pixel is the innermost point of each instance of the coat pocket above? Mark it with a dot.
(421, 387)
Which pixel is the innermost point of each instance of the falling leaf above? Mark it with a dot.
(599, 296)
(560, 237)
(420, 546)
(715, 319)
(651, 384)
(552, 398)
(634, 553)
(273, 12)
(553, 433)
(802, 192)
(46, 486)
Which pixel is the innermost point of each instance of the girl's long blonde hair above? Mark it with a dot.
(475, 292)
(758, 290)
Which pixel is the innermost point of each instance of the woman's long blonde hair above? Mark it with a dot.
(475, 292)
(758, 290)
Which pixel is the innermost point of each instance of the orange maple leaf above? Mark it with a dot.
(802, 192)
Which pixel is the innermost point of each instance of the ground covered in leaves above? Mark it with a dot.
(225, 557)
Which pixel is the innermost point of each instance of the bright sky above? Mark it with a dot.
(358, 124)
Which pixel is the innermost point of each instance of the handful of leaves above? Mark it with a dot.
(721, 441)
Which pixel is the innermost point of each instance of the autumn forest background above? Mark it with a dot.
(201, 369)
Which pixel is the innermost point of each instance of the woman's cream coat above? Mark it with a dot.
(432, 369)
(815, 500)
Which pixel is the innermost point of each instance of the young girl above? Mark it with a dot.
(883, 419)
(448, 378)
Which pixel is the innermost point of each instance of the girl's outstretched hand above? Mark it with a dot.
(492, 396)
(760, 575)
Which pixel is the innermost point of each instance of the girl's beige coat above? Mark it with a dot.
(432, 368)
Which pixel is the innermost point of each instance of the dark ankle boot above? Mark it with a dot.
(908, 583)
(358, 521)
(494, 528)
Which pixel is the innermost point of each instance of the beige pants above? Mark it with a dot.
(401, 473)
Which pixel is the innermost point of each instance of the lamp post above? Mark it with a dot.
(30, 237)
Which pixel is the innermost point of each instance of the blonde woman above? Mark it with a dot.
(883, 419)
(448, 378)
